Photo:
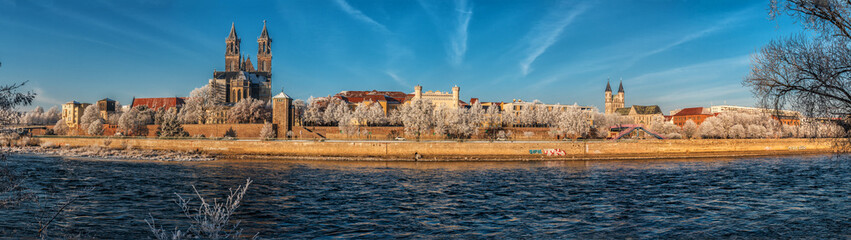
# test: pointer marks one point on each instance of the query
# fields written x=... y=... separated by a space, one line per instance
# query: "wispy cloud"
x=458 y=40
x=456 y=30
x=397 y=79
x=725 y=22
x=357 y=14
x=42 y=98
x=547 y=32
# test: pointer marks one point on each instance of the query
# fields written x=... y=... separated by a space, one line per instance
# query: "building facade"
x=241 y=79
x=72 y=112
x=783 y=116
x=440 y=99
x=695 y=114
x=107 y=107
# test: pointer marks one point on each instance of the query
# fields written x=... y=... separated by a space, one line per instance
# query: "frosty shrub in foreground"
x=267 y=132
x=207 y=220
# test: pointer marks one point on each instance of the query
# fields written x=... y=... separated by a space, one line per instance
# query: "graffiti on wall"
x=548 y=152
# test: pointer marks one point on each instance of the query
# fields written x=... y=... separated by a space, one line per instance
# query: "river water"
x=766 y=197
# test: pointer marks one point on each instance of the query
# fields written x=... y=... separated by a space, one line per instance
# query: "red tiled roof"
x=691 y=111
x=374 y=95
x=155 y=103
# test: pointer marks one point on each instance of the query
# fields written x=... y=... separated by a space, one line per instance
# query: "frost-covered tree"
x=51 y=116
x=299 y=107
x=712 y=128
x=267 y=132
x=689 y=129
x=375 y=115
x=416 y=116
x=349 y=124
x=133 y=121
x=440 y=125
x=665 y=128
x=249 y=110
x=492 y=117
x=91 y=114
x=737 y=131
x=11 y=97
x=60 y=128
x=313 y=115
x=159 y=115
x=461 y=123
x=200 y=100
x=95 y=128
x=171 y=126
x=33 y=117
x=336 y=110
x=571 y=123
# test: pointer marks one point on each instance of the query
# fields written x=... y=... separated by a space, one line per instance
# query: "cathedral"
x=613 y=103
x=240 y=79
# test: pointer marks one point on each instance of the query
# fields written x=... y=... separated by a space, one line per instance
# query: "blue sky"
x=671 y=53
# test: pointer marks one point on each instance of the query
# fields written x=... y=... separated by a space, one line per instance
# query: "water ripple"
x=777 y=197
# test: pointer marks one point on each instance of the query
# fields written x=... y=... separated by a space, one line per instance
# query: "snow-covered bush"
x=210 y=219
x=95 y=128
x=60 y=128
x=689 y=129
x=665 y=128
x=267 y=132
x=133 y=121
x=91 y=114
x=249 y=110
x=170 y=125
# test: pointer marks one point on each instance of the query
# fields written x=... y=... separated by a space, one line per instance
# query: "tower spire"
x=608 y=86
x=264 y=33
x=620 y=88
x=232 y=34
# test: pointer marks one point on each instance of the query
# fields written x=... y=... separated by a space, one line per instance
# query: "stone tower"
x=456 y=95
x=264 y=51
x=232 y=56
x=616 y=101
x=282 y=114
x=619 y=100
x=609 y=108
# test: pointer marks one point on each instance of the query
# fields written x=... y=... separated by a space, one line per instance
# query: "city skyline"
x=672 y=54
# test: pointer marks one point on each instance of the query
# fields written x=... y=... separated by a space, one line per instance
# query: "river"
x=761 y=197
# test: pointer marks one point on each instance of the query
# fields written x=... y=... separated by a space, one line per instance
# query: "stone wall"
x=445 y=150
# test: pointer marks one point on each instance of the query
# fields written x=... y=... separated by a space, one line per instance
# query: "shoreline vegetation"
x=205 y=150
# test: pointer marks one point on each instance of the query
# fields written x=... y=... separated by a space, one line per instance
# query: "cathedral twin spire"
x=235 y=61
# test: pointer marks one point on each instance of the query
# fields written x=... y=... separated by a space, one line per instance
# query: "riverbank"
x=463 y=151
x=99 y=152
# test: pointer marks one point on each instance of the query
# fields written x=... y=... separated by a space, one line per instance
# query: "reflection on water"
x=775 y=197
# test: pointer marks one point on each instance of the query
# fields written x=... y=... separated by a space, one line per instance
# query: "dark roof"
x=622 y=111
x=155 y=103
x=691 y=111
x=233 y=74
x=652 y=109
x=608 y=87
x=106 y=99
x=620 y=88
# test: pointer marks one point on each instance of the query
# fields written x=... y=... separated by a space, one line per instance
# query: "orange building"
x=696 y=114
